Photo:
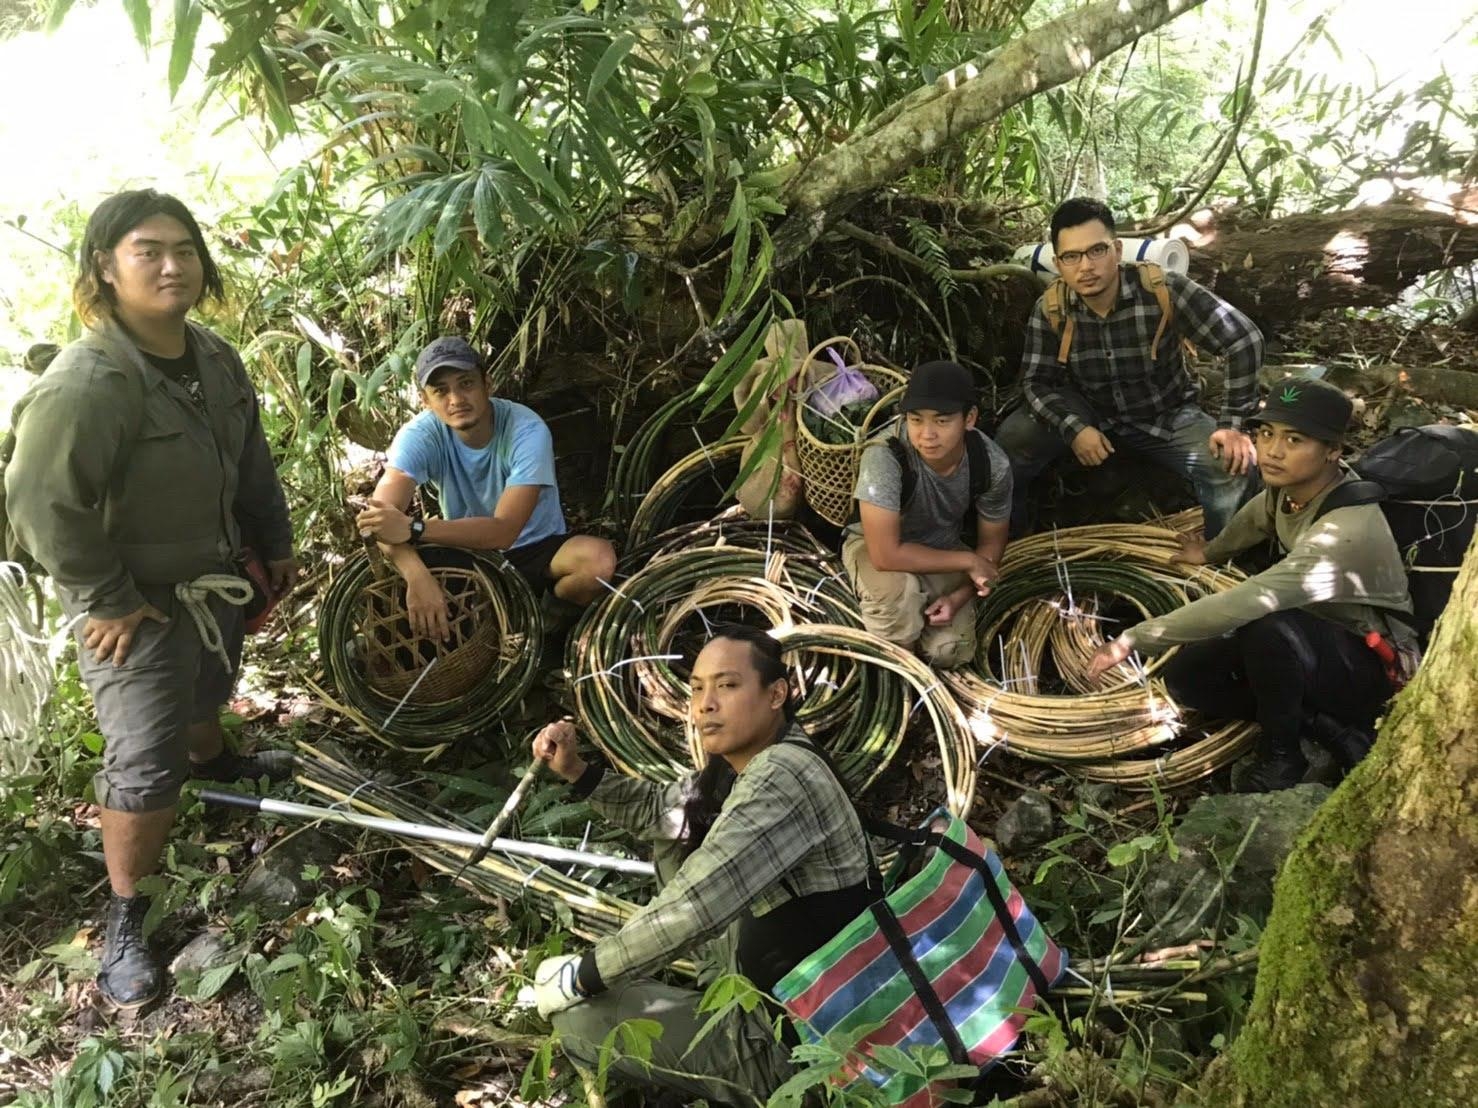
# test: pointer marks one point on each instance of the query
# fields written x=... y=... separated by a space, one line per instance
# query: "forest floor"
x=362 y=977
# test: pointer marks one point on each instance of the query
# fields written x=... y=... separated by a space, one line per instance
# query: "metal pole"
x=555 y=855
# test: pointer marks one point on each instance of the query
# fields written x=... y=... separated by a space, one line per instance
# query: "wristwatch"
x=418 y=528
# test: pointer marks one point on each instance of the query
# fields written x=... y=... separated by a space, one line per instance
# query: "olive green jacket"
x=1344 y=567
x=119 y=480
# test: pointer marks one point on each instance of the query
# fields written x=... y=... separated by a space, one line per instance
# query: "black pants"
x=1278 y=671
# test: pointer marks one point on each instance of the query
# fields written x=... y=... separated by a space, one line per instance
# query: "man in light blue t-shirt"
x=492 y=462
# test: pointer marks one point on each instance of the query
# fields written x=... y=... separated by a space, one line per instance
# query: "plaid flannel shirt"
x=1111 y=366
x=787 y=818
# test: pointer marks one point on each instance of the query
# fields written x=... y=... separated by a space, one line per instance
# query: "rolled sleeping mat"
x=1171 y=254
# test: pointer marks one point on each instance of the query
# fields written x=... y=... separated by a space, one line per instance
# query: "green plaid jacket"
x=786 y=818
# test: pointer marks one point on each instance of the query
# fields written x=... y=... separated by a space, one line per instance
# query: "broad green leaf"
x=485 y=211
x=187 y=15
x=58 y=12
x=438 y=97
x=454 y=208
x=609 y=62
x=214 y=980
x=139 y=15
x=702 y=84
x=729 y=370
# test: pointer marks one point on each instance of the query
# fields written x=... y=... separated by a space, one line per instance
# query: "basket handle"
x=815 y=356
x=881 y=405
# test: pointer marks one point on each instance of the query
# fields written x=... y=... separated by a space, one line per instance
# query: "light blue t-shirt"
x=471 y=481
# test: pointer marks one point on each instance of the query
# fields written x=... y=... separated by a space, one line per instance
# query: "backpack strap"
x=1054 y=305
x=1152 y=278
x=1349 y=494
x=909 y=479
x=978 y=453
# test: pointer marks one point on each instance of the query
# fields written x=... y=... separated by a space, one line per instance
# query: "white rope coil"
x=26 y=675
x=195 y=596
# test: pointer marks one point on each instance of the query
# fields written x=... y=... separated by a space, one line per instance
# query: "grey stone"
x=275 y=881
x=1406 y=411
x=1025 y=824
x=1103 y=795
x=205 y=951
x=1189 y=894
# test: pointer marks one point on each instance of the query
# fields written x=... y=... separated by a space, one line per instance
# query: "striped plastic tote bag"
x=950 y=958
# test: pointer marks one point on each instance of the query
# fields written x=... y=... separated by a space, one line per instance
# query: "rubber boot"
x=275 y=765
x=1274 y=769
x=129 y=977
x=1348 y=743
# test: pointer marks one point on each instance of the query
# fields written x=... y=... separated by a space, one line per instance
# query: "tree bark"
x=1282 y=270
x=972 y=95
x=1367 y=988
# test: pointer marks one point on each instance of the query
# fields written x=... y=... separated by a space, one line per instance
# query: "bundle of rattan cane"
x=1047 y=615
x=637 y=462
x=591 y=911
x=417 y=693
x=633 y=698
x=701 y=479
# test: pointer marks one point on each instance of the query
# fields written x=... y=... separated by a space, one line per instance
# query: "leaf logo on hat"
x=1290 y=395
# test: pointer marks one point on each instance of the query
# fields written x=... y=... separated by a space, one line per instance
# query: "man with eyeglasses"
x=1124 y=386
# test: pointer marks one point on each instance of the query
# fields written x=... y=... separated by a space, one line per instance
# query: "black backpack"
x=977 y=452
x=1426 y=481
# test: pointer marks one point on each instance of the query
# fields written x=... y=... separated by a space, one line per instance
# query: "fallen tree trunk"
x=967 y=97
x=1282 y=270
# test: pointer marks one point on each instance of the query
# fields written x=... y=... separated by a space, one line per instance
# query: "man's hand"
x=555 y=746
x=1091 y=446
x=111 y=638
x=282 y=574
x=983 y=574
x=385 y=522
x=1192 y=551
x=944 y=609
x=426 y=605
x=1106 y=657
x=556 y=984
x=1234 y=448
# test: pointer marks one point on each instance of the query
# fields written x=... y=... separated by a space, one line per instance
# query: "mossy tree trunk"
x=1367 y=989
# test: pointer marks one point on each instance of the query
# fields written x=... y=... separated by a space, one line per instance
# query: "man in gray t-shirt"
x=914 y=574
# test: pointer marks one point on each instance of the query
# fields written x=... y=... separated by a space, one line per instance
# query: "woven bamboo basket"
x=397 y=661
x=830 y=469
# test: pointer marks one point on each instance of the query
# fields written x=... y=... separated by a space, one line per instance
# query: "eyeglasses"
x=1096 y=252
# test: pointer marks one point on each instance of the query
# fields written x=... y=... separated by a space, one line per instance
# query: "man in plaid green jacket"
x=762 y=848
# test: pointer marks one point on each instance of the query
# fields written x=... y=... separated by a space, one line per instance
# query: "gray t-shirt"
x=937 y=508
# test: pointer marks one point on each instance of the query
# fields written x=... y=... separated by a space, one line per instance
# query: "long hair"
x=705 y=797
x=119 y=214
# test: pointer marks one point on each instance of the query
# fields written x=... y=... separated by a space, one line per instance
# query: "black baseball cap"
x=939 y=387
x=1314 y=407
x=449 y=350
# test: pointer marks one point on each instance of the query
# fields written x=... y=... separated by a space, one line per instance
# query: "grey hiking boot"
x=275 y=765
x=129 y=977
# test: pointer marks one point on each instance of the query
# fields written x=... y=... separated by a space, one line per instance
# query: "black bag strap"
x=1346 y=495
x=909 y=479
x=923 y=988
x=1349 y=494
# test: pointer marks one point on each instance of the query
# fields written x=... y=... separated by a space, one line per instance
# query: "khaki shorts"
x=893 y=604
x=145 y=706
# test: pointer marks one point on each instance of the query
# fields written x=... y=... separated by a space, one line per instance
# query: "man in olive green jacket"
x=140 y=471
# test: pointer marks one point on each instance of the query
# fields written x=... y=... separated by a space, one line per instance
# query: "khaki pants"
x=893 y=604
